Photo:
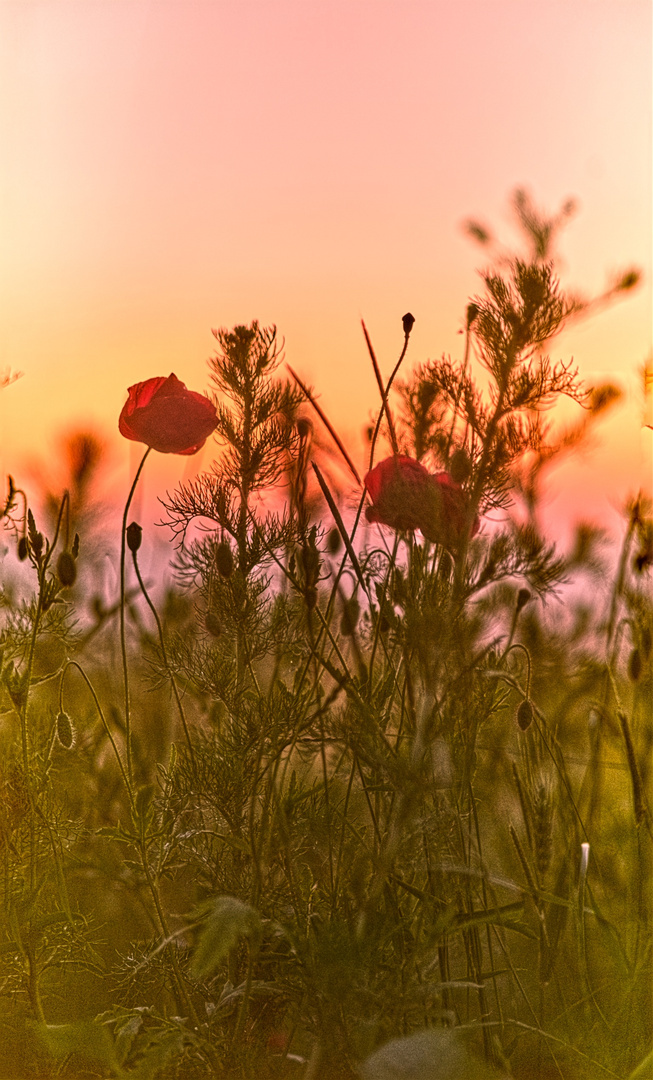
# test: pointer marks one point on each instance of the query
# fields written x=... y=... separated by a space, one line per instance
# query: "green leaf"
x=226 y=921
x=86 y=1038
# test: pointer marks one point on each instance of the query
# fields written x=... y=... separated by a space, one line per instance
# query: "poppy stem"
x=125 y=670
x=164 y=654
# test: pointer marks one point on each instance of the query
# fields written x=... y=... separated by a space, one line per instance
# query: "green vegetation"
x=356 y=803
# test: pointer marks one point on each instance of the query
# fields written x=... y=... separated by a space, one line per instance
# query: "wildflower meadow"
x=365 y=791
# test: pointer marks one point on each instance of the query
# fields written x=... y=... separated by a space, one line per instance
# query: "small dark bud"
x=310 y=596
x=311 y=562
x=304 y=427
x=212 y=624
x=523 y=596
x=134 y=537
x=23 y=548
x=646 y=642
x=334 y=541
x=65 y=731
x=629 y=280
x=602 y=397
x=37 y=544
x=525 y=714
x=369 y=431
x=74 y=551
x=472 y=313
x=643 y=559
x=460 y=466
x=224 y=559
x=349 y=618
x=478 y=232
x=634 y=665
x=66 y=569
x=408 y=322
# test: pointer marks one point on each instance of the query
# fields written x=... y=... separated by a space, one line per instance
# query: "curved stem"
x=384 y=399
x=164 y=654
x=123 y=646
x=74 y=663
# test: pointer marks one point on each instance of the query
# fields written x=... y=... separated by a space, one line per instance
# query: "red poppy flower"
x=406 y=496
x=166 y=416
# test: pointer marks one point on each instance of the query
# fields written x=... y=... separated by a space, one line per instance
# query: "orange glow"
x=168 y=168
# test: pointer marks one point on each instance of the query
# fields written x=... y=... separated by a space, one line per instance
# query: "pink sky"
x=168 y=167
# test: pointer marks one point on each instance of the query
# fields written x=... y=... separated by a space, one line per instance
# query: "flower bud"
x=66 y=569
x=334 y=541
x=525 y=714
x=134 y=537
x=23 y=548
x=635 y=665
x=304 y=427
x=65 y=731
x=408 y=322
x=472 y=313
x=523 y=596
x=224 y=559
x=212 y=624
x=311 y=562
x=37 y=544
x=349 y=618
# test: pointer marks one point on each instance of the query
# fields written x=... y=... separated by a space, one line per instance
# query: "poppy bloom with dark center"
x=406 y=496
x=167 y=417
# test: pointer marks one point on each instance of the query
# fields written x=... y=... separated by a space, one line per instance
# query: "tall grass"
x=374 y=810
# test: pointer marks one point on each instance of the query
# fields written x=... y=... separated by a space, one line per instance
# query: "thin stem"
x=123 y=645
x=73 y=663
x=164 y=654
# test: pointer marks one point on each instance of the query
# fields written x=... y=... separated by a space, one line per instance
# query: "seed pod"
x=635 y=665
x=525 y=714
x=212 y=624
x=408 y=322
x=134 y=537
x=23 y=548
x=66 y=569
x=224 y=559
x=65 y=731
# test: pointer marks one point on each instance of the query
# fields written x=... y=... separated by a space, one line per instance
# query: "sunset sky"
x=169 y=167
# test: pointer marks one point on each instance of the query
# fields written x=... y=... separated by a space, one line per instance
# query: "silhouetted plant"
x=363 y=791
